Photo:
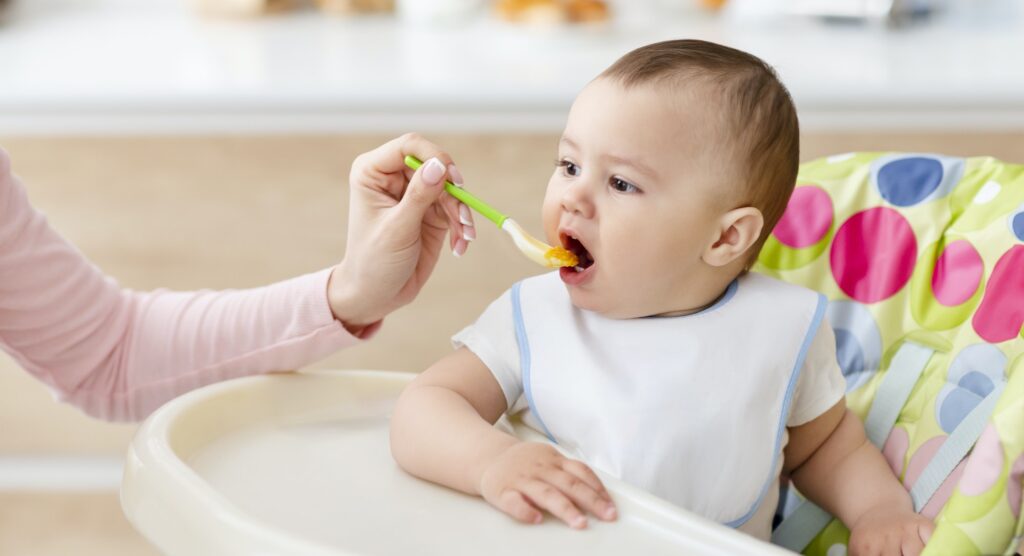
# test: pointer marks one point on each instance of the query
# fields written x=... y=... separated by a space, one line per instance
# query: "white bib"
x=690 y=408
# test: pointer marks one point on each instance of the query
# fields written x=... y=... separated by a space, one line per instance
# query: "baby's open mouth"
x=573 y=244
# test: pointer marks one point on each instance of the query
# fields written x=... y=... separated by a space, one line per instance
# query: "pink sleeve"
x=119 y=354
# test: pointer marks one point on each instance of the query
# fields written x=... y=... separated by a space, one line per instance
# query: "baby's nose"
x=577 y=200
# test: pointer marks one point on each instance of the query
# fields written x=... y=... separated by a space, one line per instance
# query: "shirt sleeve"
x=492 y=338
x=821 y=384
x=119 y=354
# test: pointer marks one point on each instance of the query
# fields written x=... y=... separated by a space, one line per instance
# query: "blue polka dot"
x=977 y=383
x=955 y=407
x=1017 y=224
x=851 y=358
x=973 y=374
x=908 y=181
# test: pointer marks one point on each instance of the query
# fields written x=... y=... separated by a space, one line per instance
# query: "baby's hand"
x=885 y=532
x=529 y=477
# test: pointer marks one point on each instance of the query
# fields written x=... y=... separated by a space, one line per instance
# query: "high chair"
x=922 y=258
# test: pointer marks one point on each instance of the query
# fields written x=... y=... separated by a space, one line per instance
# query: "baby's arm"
x=442 y=431
x=834 y=465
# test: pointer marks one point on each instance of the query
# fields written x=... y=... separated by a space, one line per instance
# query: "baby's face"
x=637 y=187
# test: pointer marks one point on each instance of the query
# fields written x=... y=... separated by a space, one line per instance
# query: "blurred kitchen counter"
x=124 y=66
x=83 y=523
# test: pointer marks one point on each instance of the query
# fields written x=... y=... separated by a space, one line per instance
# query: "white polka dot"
x=837 y=550
x=837 y=158
x=987 y=193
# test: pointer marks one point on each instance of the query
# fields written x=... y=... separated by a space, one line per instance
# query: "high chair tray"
x=299 y=464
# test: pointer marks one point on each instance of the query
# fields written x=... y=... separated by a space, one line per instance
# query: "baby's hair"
x=758 y=114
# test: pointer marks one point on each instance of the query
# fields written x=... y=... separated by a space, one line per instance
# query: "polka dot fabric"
x=928 y=248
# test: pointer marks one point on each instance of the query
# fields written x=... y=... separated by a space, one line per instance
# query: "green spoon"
x=534 y=249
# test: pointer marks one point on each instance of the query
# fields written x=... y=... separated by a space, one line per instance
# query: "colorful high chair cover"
x=922 y=259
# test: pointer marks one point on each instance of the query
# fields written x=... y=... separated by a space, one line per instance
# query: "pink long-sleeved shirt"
x=119 y=354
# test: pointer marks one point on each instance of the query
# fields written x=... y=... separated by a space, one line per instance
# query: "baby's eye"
x=623 y=186
x=568 y=168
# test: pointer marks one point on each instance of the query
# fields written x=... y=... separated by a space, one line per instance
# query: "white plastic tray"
x=300 y=464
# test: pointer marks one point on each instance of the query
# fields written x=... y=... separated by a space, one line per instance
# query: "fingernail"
x=433 y=170
x=464 y=216
x=579 y=522
x=460 y=248
x=455 y=175
x=468 y=233
x=610 y=513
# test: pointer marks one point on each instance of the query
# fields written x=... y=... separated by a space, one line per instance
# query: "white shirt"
x=693 y=409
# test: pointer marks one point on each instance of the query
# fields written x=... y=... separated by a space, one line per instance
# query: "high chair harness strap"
x=905 y=369
x=954 y=449
x=796 y=531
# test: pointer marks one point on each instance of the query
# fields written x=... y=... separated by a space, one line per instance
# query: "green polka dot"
x=948 y=540
x=778 y=256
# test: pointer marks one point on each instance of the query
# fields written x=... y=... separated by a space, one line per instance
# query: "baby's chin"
x=608 y=305
x=594 y=302
x=584 y=300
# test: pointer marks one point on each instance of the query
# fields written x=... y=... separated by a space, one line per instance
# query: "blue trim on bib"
x=524 y=357
x=819 y=314
x=730 y=291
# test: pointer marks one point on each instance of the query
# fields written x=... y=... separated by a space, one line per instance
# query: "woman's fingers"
x=389 y=158
x=424 y=188
x=548 y=497
x=583 y=495
x=460 y=219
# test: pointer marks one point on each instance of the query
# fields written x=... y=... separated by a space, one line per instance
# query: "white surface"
x=299 y=464
x=99 y=66
x=59 y=473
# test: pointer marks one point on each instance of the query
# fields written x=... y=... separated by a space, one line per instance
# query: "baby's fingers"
x=516 y=505
x=915 y=537
x=548 y=497
x=583 y=495
x=585 y=474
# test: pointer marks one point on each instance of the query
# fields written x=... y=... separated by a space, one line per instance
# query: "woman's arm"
x=119 y=354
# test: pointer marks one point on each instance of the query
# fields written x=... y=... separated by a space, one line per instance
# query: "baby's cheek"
x=550 y=215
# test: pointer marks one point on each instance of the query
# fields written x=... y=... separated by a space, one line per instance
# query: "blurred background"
x=206 y=144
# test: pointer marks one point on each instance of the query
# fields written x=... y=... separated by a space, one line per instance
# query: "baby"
x=660 y=359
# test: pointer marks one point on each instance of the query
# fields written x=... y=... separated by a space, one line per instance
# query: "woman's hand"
x=528 y=478
x=397 y=222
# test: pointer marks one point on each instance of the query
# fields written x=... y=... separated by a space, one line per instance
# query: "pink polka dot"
x=957 y=273
x=942 y=494
x=984 y=465
x=1001 y=313
x=807 y=219
x=1014 y=485
x=873 y=254
x=896 y=448
x=921 y=458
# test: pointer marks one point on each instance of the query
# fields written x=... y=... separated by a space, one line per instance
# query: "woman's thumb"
x=424 y=188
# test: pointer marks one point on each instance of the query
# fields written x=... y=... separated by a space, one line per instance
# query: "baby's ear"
x=738 y=229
